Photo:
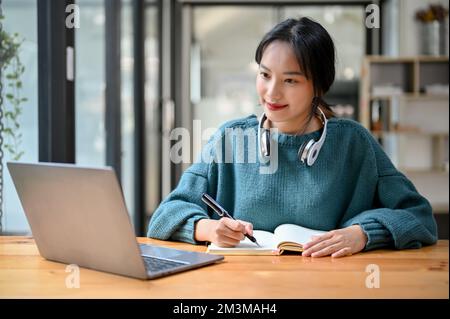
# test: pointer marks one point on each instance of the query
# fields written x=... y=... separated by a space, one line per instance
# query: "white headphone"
x=308 y=151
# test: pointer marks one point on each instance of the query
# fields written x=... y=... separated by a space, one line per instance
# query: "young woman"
x=331 y=174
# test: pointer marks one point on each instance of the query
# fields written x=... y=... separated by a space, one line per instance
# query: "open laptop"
x=78 y=216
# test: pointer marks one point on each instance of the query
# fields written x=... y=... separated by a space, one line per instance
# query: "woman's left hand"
x=337 y=243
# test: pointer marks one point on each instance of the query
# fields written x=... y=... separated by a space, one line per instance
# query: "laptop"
x=78 y=216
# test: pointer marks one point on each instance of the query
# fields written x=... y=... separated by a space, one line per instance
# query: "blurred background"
x=103 y=82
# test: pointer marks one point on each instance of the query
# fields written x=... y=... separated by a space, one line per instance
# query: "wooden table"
x=421 y=273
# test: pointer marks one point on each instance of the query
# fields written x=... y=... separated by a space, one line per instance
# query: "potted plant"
x=11 y=70
x=433 y=29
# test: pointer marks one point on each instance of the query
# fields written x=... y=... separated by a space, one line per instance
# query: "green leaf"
x=9 y=149
x=8 y=131
x=19 y=84
x=9 y=96
x=24 y=99
x=18 y=156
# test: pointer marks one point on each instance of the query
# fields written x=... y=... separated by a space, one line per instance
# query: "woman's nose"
x=273 y=92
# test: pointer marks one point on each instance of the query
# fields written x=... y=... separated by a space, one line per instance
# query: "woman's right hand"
x=225 y=232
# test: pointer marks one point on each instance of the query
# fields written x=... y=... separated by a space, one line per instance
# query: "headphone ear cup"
x=303 y=151
x=265 y=143
x=312 y=154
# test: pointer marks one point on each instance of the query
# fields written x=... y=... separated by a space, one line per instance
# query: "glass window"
x=345 y=24
x=152 y=136
x=223 y=70
x=90 y=84
x=21 y=17
x=127 y=111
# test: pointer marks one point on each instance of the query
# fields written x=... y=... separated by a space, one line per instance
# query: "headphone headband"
x=325 y=123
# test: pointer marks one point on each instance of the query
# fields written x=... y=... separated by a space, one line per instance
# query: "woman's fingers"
x=230 y=232
x=317 y=239
x=328 y=250
x=224 y=241
x=238 y=225
x=346 y=251
x=248 y=227
x=310 y=249
x=227 y=232
x=232 y=224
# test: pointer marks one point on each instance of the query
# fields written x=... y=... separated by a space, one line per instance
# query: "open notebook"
x=286 y=237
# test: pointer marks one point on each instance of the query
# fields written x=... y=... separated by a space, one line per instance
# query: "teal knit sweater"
x=352 y=182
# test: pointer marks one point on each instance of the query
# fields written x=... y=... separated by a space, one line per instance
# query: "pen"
x=208 y=200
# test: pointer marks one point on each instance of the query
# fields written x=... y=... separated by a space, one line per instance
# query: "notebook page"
x=295 y=233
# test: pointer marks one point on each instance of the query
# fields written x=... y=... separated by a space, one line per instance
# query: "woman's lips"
x=275 y=107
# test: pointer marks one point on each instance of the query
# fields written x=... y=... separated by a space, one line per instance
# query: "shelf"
x=406 y=59
x=432 y=171
x=380 y=134
x=410 y=96
x=425 y=96
x=440 y=208
x=409 y=120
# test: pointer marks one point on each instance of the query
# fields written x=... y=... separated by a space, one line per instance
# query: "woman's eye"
x=264 y=75
x=290 y=81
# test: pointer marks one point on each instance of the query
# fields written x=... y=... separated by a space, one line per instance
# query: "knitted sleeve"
x=401 y=218
x=177 y=214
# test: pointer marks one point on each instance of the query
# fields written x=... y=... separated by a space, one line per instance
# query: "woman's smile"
x=275 y=106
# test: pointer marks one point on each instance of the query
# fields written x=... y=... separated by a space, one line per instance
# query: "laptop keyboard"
x=154 y=264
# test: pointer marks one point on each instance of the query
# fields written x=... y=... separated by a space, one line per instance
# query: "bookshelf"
x=404 y=102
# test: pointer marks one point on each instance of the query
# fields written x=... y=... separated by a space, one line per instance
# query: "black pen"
x=208 y=200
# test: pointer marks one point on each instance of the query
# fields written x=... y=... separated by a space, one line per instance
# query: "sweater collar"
x=291 y=139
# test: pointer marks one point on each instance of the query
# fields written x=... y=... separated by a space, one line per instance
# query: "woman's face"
x=283 y=89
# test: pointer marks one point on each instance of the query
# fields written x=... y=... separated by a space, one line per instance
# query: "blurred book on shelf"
x=343 y=97
x=386 y=90
x=437 y=89
x=345 y=111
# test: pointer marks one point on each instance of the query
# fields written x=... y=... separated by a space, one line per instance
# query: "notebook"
x=286 y=237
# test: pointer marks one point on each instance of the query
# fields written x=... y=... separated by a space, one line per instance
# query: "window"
x=345 y=24
x=153 y=136
x=223 y=70
x=21 y=17
x=90 y=84
x=127 y=112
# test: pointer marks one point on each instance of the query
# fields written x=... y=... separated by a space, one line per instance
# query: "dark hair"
x=315 y=54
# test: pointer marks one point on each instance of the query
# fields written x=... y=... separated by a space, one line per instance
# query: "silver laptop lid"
x=76 y=214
